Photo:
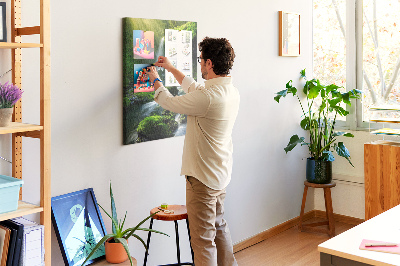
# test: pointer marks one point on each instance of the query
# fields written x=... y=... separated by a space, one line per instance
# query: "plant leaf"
x=115 y=223
x=283 y=93
x=313 y=92
x=276 y=98
x=338 y=133
x=102 y=240
x=331 y=87
x=133 y=229
x=290 y=88
x=280 y=94
x=126 y=247
x=345 y=134
x=113 y=211
x=309 y=85
x=346 y=98
x=355 y=93
x=341 y=111
x=152 y=230
x=303 y=73
x=322 y=106
x=323 y=92
x=140 y=239
x=343 y=151
x=305 y=123
x=333 y=102
x=289 y=84
x=327 y=156
x=122 y=224
x=294 y=140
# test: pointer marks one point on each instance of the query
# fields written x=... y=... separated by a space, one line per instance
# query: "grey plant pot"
x=5 y=116
x=318 y=172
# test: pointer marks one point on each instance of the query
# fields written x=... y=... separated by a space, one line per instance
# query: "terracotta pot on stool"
x=115 y=252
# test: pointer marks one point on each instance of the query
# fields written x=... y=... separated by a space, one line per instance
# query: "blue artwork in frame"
x=78 y=226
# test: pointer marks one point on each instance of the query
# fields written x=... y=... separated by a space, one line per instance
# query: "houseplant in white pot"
x=9 y=95
x=324 y=105
x=116 y=243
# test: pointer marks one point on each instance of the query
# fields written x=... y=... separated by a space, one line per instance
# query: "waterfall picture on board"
x=144 y=40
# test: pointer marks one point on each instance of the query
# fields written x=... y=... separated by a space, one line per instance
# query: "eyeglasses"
x=199 y=59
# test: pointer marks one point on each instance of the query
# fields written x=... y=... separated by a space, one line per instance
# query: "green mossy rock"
x=156 y=127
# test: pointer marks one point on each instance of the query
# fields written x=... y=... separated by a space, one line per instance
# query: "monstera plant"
x=324 y=103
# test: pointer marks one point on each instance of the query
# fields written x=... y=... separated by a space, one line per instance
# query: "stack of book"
x=21 y=243
x=386 y=131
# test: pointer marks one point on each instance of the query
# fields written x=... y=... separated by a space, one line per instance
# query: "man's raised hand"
x=164 y=63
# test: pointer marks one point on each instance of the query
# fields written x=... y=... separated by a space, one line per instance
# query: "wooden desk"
x=344 y=248
x=105 y=263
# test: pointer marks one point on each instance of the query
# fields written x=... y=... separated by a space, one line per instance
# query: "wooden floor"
x=290 y=247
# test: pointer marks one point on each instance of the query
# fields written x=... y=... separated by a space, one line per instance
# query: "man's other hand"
x=152 y=72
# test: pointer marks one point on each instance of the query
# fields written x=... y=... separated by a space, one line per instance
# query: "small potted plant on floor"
x=9 y=95
x=116 y=243
x=324 y=104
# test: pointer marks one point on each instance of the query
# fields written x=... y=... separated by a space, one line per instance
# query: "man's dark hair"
x=220 y=52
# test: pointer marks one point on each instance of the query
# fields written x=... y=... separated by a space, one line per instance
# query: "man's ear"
x=209 y=63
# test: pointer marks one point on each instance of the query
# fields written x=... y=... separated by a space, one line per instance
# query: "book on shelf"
x=26 y=242
x=11 y=245
x=386 y=131
x=32 y=250
x=5 y=234
x=13 y=260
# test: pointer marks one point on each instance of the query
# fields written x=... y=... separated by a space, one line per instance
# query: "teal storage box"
x=9 y=193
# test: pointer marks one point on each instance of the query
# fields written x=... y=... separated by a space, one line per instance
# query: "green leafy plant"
x=119 y=235
x=321 y=122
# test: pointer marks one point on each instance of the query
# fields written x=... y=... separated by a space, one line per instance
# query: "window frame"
x=354 y=69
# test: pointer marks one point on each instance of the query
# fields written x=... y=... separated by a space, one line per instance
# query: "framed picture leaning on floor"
x=78 y=226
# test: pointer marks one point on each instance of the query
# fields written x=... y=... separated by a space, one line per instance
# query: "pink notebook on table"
x=388 y=249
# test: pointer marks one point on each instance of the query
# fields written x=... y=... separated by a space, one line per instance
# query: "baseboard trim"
x=271 y=232
x=340 y=218
x=289 y=224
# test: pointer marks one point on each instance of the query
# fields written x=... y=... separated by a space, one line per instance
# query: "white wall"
x=87 y=150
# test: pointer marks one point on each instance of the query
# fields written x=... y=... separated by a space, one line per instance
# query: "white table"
x=344 y=248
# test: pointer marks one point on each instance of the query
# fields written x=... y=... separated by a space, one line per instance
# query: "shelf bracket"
x=30 y=134
x=28 y=31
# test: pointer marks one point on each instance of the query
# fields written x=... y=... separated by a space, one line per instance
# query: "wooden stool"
x=180 y=213
x=328 y=207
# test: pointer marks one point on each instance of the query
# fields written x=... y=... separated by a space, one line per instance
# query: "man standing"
x=207 y=154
